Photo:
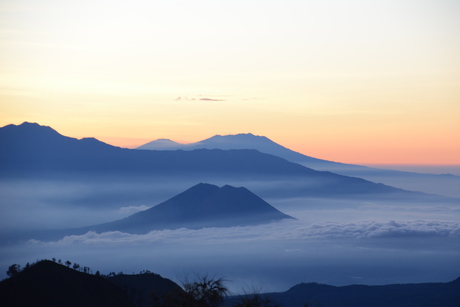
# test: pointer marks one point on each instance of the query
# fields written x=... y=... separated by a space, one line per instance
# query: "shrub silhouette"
x=255 y=300
x=203 y=292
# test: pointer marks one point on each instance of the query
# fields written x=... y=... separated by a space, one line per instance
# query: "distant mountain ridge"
x=203 y=205
x=399 y=295
x=39 y=150
x=31 y=147
x=430 y=183
x=245 y=141
x=264 y=145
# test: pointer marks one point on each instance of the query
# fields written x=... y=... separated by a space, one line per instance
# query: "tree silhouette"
x=205 y=291
x=13 y=270
x=68 y=263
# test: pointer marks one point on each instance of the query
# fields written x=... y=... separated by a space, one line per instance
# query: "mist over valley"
x=344 y=230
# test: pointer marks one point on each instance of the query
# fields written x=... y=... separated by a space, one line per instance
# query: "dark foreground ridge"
x=50 y=284
x=203 y=205
x=47 y=283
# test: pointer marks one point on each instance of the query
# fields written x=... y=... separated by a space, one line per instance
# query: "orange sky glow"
x=349 y=81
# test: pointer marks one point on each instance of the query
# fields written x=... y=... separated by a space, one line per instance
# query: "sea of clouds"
x=286 y=230
x=332 y=241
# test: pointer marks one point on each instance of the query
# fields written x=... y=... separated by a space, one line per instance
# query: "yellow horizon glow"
x=349 y=81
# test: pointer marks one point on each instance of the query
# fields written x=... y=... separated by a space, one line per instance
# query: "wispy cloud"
x=211 y=99
x=132 y=209
x=186 y=98
x=216 y=98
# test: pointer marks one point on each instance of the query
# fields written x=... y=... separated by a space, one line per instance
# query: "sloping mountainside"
x=34 y=150
x=395 y=295
x=50 y=284
x=438 y=184
x=203 y=205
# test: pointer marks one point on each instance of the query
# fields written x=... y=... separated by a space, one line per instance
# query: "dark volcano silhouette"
x=203 y=205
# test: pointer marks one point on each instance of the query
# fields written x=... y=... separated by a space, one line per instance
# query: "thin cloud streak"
x=211 y=99
x=198 y=99
x=132 y=209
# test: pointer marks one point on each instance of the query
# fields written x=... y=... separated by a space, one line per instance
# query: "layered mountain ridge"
x=445 y=184
x=248 y=141
x=34 y=149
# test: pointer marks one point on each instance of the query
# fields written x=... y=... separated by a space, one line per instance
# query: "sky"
x=352 y=81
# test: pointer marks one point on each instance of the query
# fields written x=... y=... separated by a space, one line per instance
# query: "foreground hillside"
x=47 y=283
x=50 y=284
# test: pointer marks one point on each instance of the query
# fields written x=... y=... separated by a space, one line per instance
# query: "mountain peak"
x=162 y=144
x=203 y=205
x=30 y=124
x=166 y=140
x=231 y=141
x=239 y=136
x=247 y=141
x=27 y=130
x=33 y=125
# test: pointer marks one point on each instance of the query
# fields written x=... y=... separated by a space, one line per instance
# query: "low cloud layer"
x=275 y=256
x=282 y=231
x=390 y=229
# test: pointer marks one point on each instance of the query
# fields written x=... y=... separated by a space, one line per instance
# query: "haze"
x=333 y=241
x=361 y=82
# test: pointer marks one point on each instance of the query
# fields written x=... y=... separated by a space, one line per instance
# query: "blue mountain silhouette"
x=408 y=295
x=438 y=184
x=203 y=205
x=33 y=149
x=248 y=141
